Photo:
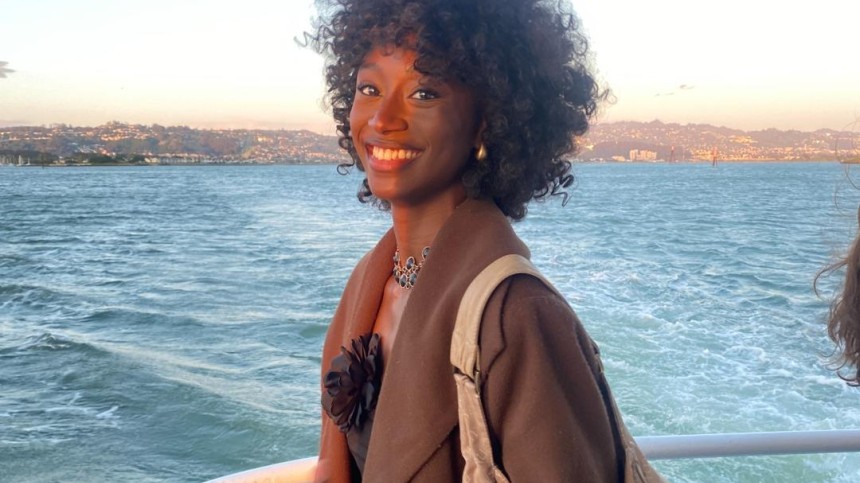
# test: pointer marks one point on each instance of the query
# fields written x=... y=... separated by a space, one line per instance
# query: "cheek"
x=353 y=115
x=355 y=126
x=461 y=129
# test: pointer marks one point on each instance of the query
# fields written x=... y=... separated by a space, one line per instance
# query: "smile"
x=387 y=154
x=389 y=159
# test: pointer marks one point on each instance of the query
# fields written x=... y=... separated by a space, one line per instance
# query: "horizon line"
x=213 y=126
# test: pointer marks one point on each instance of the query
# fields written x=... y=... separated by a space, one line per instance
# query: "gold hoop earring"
x=482 y=153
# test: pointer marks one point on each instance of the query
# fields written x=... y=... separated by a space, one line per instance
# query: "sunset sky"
x=748 y=64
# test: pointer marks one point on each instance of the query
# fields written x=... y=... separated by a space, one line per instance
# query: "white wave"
x=107 y=414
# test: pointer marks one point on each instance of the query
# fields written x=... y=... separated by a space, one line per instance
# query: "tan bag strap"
x=474 y=434
x=464 y=342
x=465 y=357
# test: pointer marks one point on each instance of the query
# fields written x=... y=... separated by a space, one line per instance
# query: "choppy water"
x=165 y=323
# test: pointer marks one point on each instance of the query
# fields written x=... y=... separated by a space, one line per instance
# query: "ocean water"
x=165 y=323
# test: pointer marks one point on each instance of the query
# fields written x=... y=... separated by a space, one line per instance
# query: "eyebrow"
x=375 y=66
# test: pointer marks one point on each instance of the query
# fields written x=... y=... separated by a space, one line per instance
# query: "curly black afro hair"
x=525 y=60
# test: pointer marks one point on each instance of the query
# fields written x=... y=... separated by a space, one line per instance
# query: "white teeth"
x=389 y=154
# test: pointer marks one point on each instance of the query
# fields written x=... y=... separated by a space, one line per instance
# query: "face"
x=413 y=133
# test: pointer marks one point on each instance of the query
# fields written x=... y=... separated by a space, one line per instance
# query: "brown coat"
x=542 y=385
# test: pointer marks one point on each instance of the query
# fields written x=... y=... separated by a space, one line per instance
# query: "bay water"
x=165 y=323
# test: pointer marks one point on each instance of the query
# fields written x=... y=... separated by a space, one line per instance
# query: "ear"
x=479 y=136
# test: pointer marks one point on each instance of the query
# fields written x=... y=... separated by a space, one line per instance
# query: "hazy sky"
x=749 y=64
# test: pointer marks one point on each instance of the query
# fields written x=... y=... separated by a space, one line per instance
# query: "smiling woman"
x=460 y=113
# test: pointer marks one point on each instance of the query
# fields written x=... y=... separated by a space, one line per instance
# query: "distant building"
x=642 y=155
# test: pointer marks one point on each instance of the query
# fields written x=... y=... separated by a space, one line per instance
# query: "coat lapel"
x=354 y=317
x=364 y=299
x=417 y=407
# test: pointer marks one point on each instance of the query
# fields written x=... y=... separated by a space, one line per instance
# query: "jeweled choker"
x=407 y=275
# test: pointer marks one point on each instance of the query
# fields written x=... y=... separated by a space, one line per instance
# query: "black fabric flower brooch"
x=352 y=385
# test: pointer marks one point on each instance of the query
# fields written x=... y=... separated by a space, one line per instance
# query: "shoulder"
x=524 y=316
x=360 y=269
x=362 y=280
x=365 y=269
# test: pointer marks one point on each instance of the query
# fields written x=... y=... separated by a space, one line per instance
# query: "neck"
x=416 y=225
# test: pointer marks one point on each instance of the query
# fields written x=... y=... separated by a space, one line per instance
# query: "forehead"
x=395 y=58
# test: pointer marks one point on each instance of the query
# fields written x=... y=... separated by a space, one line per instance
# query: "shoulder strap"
x=464 y=342
x=474 y=434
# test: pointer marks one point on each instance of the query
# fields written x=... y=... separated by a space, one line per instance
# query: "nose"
x=390 y=115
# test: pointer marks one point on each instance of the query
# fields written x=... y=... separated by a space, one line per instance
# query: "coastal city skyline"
x=212 y=65
x=124 y=144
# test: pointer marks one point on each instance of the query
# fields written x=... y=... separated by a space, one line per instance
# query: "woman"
x=843 y=323
x=459 y=112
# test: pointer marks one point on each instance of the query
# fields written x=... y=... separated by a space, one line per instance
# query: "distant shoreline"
x=574 y=162
x=157 y=165
x=604 y=142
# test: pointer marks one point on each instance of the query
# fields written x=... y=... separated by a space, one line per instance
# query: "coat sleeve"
x=541 y=389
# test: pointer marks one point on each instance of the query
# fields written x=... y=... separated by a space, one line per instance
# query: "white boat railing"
x=295 y=471
x=749 y=444
x=654 y=448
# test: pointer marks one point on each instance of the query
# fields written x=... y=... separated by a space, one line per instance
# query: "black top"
x=351 y=390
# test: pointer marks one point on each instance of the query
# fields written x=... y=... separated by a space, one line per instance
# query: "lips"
x=389 y=158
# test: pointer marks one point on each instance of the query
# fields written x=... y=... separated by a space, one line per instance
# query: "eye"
x=367 y=90
x=425 y=94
